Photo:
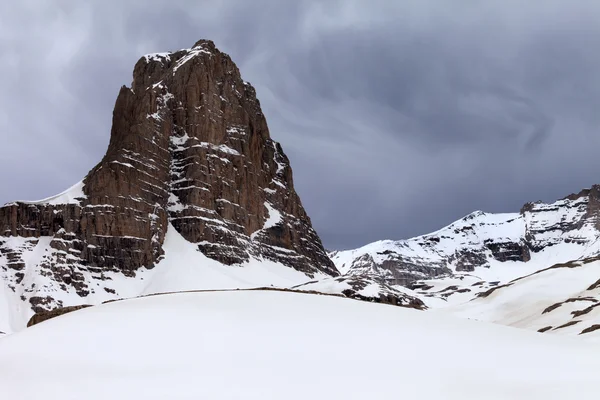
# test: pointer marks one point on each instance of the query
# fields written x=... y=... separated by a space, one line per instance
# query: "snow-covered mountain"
x=191 y=194
x=207 y=279
x=535 y=269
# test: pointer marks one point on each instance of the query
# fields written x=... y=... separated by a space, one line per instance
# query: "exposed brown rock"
x=41 y=304
x=46 y=315
x=492 y=290
x=551 y=308
x=595 y=285
x=587 y=310
x=570 y=323
x=592 y=328
x=571 y=300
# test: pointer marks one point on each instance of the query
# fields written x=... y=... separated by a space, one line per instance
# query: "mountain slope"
x=192 y=193
x=286 y=345
x=561 y=299
x=503 y=268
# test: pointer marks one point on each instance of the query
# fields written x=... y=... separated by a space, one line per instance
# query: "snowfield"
x=281 y=345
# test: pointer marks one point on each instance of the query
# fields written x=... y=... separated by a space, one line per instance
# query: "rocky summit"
x=189 y=149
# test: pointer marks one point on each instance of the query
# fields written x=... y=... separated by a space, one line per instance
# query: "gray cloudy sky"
x=398 y=116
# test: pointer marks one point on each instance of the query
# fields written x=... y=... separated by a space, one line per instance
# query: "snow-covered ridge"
x=197 y=49
x=457 y=266
x=183 y=267
x=470 y=230
x=72 y=195
x=542 y=225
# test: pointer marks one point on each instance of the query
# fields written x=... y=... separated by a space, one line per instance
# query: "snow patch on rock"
x=72 y=195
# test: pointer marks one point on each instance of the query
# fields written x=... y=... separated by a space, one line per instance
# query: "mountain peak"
x=205 y=43
x=189 y=148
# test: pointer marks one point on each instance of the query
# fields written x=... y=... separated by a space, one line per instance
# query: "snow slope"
x=70 y=196
x=278 y=345
x=471 y=234
x=183 y=267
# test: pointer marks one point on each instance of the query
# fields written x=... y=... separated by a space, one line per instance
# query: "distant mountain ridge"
x=535 y=269
x=481 y=239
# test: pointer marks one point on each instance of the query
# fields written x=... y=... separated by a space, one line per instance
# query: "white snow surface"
x=274 y=216
x=158 y=57
x=278 y=345
x=186 y=268
x=472 y=231
x=273 y=219
x=69 y=196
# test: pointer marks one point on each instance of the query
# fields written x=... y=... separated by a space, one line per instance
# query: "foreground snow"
x=279 y=345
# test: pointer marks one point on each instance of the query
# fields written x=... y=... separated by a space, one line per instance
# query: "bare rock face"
x=574 y=219
x=190 y=147
x=191 y=144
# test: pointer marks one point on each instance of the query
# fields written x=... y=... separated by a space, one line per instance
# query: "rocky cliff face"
x=189 y=147
x=540 y=235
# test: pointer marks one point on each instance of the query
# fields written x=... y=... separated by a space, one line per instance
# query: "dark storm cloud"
x=398 y=116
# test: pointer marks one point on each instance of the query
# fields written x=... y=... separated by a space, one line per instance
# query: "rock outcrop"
x=364 y=287
x=189 y=147
x=57 y=312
